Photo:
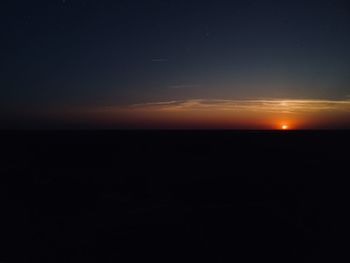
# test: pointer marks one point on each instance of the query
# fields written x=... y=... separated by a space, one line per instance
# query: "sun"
x=284 y=127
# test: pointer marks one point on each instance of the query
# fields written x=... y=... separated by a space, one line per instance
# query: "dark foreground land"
x=174 y=196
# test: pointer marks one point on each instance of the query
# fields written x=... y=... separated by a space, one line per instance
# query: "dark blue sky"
x=57 y=53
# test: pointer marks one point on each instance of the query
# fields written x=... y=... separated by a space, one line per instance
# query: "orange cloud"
x=242 y=114
x=264 y=105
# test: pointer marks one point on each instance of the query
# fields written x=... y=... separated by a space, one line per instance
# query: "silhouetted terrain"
x=173 y=196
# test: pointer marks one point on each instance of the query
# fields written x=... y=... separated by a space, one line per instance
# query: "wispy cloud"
x=253 y=113
x=183 y=86
x=159 y=60
x=259 y=105
x=283 y=106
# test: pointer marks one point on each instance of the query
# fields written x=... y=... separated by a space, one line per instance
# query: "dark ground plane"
x=173 y=196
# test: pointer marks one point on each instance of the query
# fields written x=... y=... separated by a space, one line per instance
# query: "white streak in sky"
x=258 y=105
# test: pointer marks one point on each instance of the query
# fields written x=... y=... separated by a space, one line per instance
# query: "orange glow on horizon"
x=264 y=114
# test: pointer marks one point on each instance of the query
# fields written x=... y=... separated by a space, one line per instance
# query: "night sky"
x=175 y=64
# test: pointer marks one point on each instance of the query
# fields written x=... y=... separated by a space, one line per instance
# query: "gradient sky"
x=149 y=64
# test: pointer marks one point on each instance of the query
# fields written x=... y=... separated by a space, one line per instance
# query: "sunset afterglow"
x=174 y=130
x=266 y=114
x=176 y=65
